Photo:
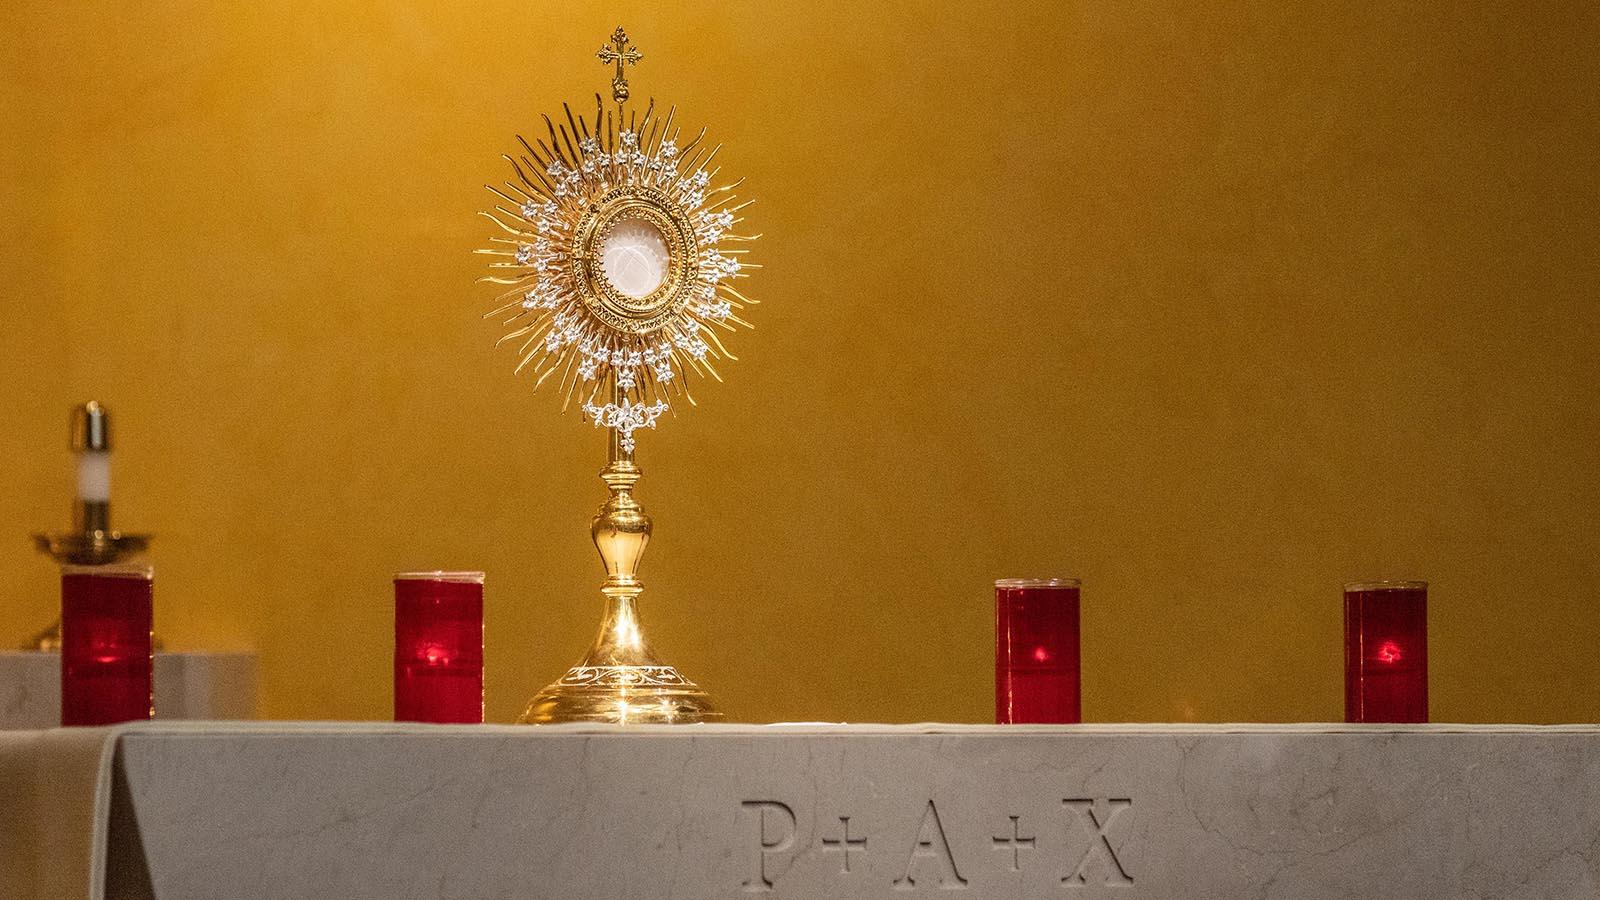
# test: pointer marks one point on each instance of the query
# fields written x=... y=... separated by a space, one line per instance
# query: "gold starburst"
x=615 y=258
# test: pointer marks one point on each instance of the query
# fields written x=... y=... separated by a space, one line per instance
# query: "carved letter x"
x=1114 y=872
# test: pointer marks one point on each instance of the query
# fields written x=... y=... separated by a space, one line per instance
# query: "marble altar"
x=194 y=810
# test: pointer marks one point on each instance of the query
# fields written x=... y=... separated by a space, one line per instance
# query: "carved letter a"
x=932 y=842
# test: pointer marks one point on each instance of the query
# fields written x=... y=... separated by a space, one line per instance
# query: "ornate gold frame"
x=635 y=315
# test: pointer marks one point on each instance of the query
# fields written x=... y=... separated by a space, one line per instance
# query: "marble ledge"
x=188 y=685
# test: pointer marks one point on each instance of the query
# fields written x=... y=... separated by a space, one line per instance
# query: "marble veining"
x=874 y=812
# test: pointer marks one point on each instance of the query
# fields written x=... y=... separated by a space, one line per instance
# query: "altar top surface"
x=842 y=729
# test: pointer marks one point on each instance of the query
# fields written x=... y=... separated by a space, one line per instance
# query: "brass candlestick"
x=620 y=679
x=91 y=541
x=617 y=274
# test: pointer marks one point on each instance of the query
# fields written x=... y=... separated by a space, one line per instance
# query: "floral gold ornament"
x=618 y=273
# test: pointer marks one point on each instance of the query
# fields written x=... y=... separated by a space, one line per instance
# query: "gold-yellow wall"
x=1215 y=304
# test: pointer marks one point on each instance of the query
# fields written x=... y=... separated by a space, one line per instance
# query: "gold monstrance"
x=617 y=280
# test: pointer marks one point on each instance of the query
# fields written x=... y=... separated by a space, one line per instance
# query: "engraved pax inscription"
x=937 y=852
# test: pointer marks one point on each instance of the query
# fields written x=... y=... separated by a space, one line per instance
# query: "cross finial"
x=622 y=53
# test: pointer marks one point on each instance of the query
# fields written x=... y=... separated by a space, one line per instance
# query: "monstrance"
x=617 y=279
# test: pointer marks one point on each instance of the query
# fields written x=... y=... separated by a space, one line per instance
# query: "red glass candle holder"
x=438 y=647
x=106 y=614
x=1386 y=651
x=1036 y=674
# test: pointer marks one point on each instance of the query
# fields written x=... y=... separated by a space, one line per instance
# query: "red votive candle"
x=1386 y=651
x=105 y=644
x=1036 y=651
x=438 y=647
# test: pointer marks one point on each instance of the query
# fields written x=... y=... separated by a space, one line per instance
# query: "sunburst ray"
x=626 y=343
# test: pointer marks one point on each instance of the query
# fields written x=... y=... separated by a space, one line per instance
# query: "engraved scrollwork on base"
x=624 y=676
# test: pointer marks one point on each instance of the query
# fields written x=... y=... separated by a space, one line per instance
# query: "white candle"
x=94 y=476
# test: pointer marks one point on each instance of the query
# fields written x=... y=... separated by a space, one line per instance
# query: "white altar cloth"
x=185 y=811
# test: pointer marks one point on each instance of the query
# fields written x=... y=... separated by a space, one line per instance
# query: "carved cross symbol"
x=1016 y=843
x=844 y=844
x=622 y=53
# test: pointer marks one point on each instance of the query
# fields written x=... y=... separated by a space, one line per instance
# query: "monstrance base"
x=621 y=695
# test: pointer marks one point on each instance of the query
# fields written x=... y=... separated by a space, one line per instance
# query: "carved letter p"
x=774 y=829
